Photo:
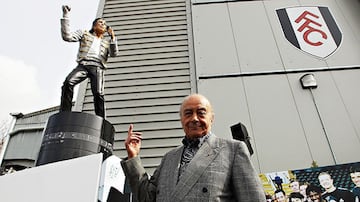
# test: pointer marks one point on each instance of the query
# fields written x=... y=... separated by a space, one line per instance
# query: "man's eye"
x=202 y=113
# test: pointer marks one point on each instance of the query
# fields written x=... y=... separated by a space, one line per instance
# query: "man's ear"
x=212 y=118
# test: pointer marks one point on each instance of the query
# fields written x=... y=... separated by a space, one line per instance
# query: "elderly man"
x=205 y=168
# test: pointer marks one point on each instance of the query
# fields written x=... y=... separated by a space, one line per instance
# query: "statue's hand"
x=66 y=10
x=111 y=32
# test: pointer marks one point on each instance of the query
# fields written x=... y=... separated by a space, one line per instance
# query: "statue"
x=93 y=53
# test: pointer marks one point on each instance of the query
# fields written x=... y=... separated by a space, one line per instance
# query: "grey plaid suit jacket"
x=221 y=170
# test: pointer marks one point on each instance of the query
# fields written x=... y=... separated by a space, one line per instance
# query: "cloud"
x=19 y=88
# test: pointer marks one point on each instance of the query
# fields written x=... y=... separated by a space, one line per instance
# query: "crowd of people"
x=326 y=191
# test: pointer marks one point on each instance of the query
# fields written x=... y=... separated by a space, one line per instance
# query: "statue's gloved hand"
x=66 y=10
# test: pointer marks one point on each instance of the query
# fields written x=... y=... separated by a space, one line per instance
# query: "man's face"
x=314 y=196
x=196 y=116
x=325 y=181
x=355 y=177
x=294 y=186
x=303 y=189
x=100 y=26
x=280 y=197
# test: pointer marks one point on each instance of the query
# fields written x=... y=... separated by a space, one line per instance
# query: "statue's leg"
x=96 y=76
x=76 y=76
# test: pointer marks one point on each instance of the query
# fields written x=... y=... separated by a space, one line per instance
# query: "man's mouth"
x=195 y=127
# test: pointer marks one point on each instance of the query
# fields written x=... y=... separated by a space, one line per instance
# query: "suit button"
x=204 y=190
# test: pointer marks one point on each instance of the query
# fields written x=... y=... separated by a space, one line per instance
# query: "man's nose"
x=195 y=117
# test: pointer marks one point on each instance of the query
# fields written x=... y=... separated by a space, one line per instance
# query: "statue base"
x=70 y=135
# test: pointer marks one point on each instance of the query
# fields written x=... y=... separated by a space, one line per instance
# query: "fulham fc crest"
x=310 y=29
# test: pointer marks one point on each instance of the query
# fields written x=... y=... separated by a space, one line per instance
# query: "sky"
x=34 y=60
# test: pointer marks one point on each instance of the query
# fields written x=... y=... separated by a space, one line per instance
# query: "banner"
x=345 y=177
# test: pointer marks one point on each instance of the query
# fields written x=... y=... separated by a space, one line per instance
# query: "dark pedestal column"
x=74 y=134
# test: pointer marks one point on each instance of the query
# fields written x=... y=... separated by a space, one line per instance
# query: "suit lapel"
x=206 y=154
x=175 y=157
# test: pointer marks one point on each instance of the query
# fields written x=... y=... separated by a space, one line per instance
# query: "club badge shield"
x=311 y=29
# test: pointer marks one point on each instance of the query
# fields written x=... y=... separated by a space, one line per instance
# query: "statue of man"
x=92 y=56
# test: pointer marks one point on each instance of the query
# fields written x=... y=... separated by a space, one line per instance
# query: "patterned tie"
x=190 y=148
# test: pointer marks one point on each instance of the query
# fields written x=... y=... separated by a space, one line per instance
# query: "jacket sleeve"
x=246 y=180
x=142 y=187
x=66 y=34
x=113 y=49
